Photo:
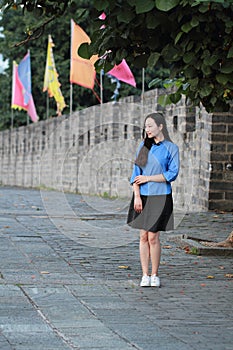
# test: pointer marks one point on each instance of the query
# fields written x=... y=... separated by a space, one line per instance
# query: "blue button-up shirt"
x=163 y=158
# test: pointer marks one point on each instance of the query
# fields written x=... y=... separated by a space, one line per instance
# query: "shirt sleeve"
x=173 y=165
x=136 y=169
x=136 y=172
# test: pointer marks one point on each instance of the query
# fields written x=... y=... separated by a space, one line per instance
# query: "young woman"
x=151 y=208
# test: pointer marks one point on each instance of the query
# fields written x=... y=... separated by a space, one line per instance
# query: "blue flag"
x=24 y=71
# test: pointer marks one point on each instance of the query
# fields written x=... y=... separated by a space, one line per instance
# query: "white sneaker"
x=155 y=281
x=145 y=282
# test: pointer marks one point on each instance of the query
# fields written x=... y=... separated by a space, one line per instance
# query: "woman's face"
x=152 y=129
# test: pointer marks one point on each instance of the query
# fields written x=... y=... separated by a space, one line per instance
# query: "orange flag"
x=82 y=71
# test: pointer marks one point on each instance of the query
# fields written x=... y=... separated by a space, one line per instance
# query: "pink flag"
x=122 y=72
x=31 y=109
x=18 y=98
x=102 y=16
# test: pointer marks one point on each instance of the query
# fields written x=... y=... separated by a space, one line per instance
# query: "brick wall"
x=92 y=152
x=221 y=159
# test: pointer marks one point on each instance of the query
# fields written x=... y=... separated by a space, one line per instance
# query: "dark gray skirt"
x=157 y=214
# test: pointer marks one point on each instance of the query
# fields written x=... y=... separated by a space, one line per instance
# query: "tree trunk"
x=228 y=243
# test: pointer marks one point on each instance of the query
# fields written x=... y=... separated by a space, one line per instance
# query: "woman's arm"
x=141 y=179
x=137 y=198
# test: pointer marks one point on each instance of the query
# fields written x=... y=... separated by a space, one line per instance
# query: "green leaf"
x=144 y=6
x=213 y=100
x=230 y=52
x=227 y=67
x=174 y=98
x=168 y=84
x=153 y=59
x=193 y=83
x=222 y=78
x=83 y=51
x=155 y=82
x=188 y=57
x=103 y=64
x=166 y=5
x=101 y=5
x=205 y=90
x=190 y=72
x=203 y=8
x=211 y=60
x=190 y=46
x=194 y=22
x=126 y=16
x=120 y=54
x=206 y=69
x=164 y=100
x=179 y=35
x=186 y=27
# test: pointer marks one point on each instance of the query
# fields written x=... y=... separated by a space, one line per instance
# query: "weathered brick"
x=226 y=205
x=220 y=157
x=216 y=195
x=218 y=147
x=220 y=185
x=229 y=195
x=219 y=128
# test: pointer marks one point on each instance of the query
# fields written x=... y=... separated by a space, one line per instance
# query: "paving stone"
x=62 y=293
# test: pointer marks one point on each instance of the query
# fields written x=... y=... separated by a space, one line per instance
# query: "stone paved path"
x=69 y=275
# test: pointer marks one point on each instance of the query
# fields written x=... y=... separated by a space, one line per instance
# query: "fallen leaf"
x=124 y=267
x=229 y=275
x=210 y=277
x=167 y=246
x=6 y=226
x=221 y=267
x=202 y=284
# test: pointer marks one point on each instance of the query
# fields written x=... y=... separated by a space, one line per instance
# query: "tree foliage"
x=192 y=38
x=15 y=24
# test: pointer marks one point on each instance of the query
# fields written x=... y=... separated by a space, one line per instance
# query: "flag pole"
x=101 y=86
x=30 y=83
x=71 y=98
x=143 y=89
x=101 y=101
x=12 y=119
x=47 y=106
x=12 y=94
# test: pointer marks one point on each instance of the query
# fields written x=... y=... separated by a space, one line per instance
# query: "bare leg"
x=155 y=251
x=144 y=251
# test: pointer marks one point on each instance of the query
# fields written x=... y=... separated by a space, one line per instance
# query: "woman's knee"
x=153 y=238
x=143 y=236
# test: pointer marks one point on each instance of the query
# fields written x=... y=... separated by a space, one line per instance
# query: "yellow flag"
x=51 y=83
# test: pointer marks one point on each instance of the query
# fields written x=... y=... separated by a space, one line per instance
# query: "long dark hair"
x=159 y=119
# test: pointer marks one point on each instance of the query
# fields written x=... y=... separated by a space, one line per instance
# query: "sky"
x=3 y=64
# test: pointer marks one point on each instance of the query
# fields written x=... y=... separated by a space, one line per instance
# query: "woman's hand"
x=141 y=179
x=138 y=204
